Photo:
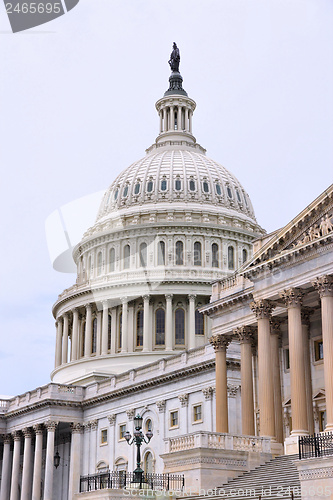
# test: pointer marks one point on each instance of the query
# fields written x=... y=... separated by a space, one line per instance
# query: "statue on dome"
x=174 y=58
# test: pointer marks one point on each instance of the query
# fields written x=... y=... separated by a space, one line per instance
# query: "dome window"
x=125 y=192
x=137 y=188
x=160 y=327
x=178 y=184
x=238 y=196
x=150 y=186
x=229 y=192
x=163 y=185
x=192 y=185
x=206 y=187
x=116 y=194
x=218 y=189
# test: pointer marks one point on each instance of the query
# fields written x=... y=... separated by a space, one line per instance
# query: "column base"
x=276 y=448
x=329 y=428
x=291 y=442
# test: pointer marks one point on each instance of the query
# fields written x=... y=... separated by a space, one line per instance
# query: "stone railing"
x=4 y=403
x=217 y=441
x=229 y=286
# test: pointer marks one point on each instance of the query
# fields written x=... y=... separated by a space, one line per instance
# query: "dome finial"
x=175 y=80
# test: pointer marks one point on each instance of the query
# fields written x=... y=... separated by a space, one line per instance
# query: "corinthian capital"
x=324 y=286
x=245 y=334
x=262 y=308
x=292 y=297
x=51 y=425
x=220 y=342
x=76 y=428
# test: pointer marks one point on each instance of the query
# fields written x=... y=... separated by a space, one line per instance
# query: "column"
x=168 y=323
x=191 y=321
x=161 y=121
x=220 y=344
x=164 y=120
x=88 y=334
x=14 y=487
x=275 y=355
x=75 y=334
x=262 y=309
x=146 y=323
x=99 y=333
x=5 y=473
x=186 y=124
x=172 y=118
x=245 y=337
x=114 y=328
x=105 y=325
x=37 y=476
x=190 y=121
x=26 y=474
x=305 y=314
x=65 y=340
x=179 y=118
x=324 y=285
x=293 y=301
x=75 y=460
x=124 y=322
x=58 y=353
x=49 y=467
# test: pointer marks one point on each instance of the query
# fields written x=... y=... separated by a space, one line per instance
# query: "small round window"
x=125 y=192
x=218 y=189
x=192 y=185
x=150 y=186
x=116 y=194
x=163 y=185
x=178 y=184
x=238 y=196
x=137 y=188
x=229 y=192
x=205 y=187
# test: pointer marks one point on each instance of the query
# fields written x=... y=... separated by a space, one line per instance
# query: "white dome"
x=178 y=175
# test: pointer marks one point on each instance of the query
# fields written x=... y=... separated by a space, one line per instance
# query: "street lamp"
x=138 y=439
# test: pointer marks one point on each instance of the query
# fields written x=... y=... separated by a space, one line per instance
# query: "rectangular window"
x=318 y=350
x=197 y=413
x=122 y=430
x=322 y=420
x=286 y=359
x=104 y=436
x=174 y=418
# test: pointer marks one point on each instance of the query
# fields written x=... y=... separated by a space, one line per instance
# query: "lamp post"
x=138 y=439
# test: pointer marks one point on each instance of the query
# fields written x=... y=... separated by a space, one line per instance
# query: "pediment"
x=319 y=395
x=314 y=223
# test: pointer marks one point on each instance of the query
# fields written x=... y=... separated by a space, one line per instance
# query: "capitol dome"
x=168 y=226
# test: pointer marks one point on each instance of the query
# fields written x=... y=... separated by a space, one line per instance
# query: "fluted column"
x=293 y=301
x=14 y=487
x=220 y=344
x=65 y=340
x=88 y=333
x=275 y=354
x=164 y=120
x=105 y=325
x=190 y=121
x=161 y=121
x=146 y=314
x=58 y=353
x=168 y=323
x=5 y=472
x=324 y=285
x=179 y=118
x=75 y=460
x=26 y=474
x=172 y=118
x=186 y=124
x=75 y=334
x=37 y=475
x=191 y=321
x=306 y=313
x=245 y=337
x=263 y=309
x=113 y=330
x=124 y=322
x=49 y=467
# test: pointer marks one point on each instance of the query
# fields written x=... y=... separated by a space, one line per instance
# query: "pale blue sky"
x=77 y=107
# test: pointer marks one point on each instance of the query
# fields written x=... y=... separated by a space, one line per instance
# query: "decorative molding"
x=322 y=473
x=262 y=308
x=206 y=460
x=208 y=392
x=183 y=398
x=232 y=390
x=130 y=413
x=112 y=418
x=93 y=424
x=161 y=405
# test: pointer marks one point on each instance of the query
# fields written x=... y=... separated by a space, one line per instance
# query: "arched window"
x=109 y=331
x=231 y=258
x=179 y=326
x=127 y=256
x=238 y=196
x=161 y=253
x=218 y=189
x=99 y=263
x=205 y=187
x=215 y=255
x=229 y=192
x=160 y=327
x=120 y=330
x=150 y=186
x=139 y=328
x=244 y=255
x=148 y=425
x=179 y=253
x=148 y=463
x=178 y=185
x=83 y=340
x=164 y=185
x=143 y=254
x=137 y=188
x=199 y=323
x=197 y=254
x=94 y=336
x=112 y=258
x=116 y=194
x=125 y=192
x=192 y=185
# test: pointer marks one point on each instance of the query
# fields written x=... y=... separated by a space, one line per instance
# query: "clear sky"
x=77 y=107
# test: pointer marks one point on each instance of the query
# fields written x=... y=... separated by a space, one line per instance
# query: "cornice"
x=226 y=302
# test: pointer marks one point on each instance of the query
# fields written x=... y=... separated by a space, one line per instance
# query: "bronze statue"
x=174 y=58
